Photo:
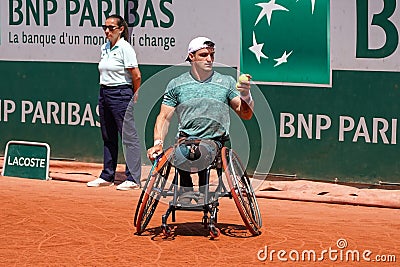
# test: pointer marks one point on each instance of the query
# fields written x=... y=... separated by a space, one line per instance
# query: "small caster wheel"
x=167 y=231
x=214 y=232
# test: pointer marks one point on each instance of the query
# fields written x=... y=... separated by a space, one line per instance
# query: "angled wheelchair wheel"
x=152 y=192
x=241 y=190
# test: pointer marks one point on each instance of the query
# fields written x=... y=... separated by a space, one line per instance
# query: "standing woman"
x=120 y=80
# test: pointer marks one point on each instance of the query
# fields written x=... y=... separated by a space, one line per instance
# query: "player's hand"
x=243 y=86
x=154 y=151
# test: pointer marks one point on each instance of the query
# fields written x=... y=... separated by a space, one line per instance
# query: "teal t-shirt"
x=202 y=108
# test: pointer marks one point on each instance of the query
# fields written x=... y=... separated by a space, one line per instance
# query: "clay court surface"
x=61 y=222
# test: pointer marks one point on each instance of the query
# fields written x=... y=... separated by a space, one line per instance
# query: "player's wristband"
x=248 y=98
x=158 y=142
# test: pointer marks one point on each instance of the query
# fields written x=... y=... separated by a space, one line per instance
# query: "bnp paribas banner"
x=277 y=41
x=70 y=30
x=286 y=41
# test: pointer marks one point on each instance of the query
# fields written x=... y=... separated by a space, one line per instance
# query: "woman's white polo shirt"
x=114 y=63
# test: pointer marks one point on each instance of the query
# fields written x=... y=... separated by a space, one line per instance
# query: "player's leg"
x=186 y=187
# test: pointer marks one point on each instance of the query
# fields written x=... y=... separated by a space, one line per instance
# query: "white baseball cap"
x=199 y=43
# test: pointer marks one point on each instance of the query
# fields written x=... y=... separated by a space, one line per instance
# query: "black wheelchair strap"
x=220 y=140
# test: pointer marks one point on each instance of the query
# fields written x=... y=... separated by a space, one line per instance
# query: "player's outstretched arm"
x=160 y=130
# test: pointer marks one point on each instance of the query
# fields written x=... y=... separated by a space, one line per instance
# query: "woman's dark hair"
x=122 y=23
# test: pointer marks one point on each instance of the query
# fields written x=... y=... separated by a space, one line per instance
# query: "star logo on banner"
x=312 y=5
x=282 y=59
x=267 y=9
x=256 y=49
x=277 y=37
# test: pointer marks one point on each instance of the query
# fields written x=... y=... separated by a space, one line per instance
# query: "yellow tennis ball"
x=243 y=78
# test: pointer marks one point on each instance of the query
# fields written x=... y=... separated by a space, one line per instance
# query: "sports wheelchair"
x=194 y=155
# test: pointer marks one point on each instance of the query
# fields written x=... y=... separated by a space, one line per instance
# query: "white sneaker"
x=99 y=182
x=128 y=185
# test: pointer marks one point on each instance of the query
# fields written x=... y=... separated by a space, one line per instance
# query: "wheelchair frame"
x=241 y=191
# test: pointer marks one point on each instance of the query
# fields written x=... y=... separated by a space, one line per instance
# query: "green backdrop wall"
x=366 y=95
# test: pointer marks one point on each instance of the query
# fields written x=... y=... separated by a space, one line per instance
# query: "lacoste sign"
x=27 y=160
x=286 y=41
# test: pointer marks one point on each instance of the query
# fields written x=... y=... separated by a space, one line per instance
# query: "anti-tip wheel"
x=167 y=231
x=214 y=232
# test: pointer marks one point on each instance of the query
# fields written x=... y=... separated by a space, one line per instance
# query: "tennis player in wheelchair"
x=201 y=99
